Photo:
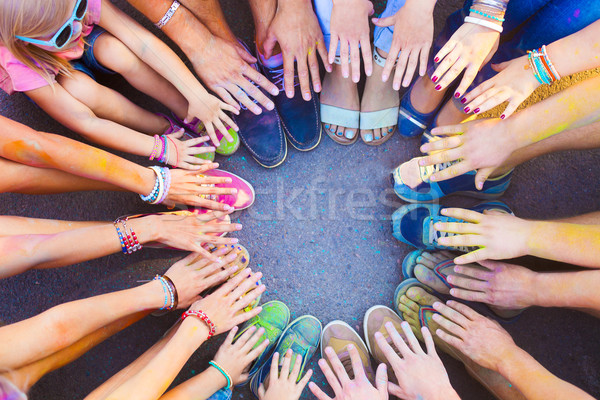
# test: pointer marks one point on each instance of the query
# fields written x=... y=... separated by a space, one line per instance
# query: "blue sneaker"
x=302 y=336
x=262 y=134
x=273 y=318
x=427 y=191
x=301 y=119
x=413 y=224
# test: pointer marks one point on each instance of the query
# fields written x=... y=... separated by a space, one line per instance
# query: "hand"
x=193 y=274
x=227 y=74
x=191 y=231
x=420 y=375
x=209 y=109
x=413 y=34
x=224 y=306
x=296 y=29
x=513 y=83
x=483 y=145
x=181 y=152
x=186 y=189
x=500 y=284
x=468 y=49
x=284 y=385
x=350 y=27
x=234 y=358
x=343 y=387
x=481 y=339
x=500 y=236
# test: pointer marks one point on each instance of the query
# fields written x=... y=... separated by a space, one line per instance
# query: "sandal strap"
x=379 y=119
x=406 y=114
x=443 y=277
x=339 y=116
x=379 y=60
x=422 y=318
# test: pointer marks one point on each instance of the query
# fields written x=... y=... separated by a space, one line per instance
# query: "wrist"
x=425 y=6
x=510 y=361
x=146 y=228
x=217 y=376
x=195 y=330
x=151 y=295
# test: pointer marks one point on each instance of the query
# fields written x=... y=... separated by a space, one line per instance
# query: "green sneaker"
x=302 y=336
x=273 y=318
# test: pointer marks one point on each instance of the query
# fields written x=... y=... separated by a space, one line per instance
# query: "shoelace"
x=279 y=78
x=429 y=170
x=434 y=236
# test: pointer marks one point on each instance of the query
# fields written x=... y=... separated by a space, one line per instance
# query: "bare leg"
x=113 y=54
x=16 y=226
x=19 y=178
x=111 y=105
x=28 y=375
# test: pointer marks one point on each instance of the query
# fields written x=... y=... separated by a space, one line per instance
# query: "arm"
x=489 y=345
x=163 y=60
x=222 y=65
x=486 y=143
x=516 y=81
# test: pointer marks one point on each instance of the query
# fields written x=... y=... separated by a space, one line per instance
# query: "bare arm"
x=22 y=144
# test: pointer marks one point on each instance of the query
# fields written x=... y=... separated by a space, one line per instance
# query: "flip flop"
x=370 y=120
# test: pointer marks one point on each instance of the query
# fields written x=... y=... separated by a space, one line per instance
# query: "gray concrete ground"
x=320 y=233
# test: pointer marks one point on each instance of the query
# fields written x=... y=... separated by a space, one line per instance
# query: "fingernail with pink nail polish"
x=476 y=110
x=457 y=95
x=438 y=87
x=502 y=116
x=467 y=109
x=434 y=79
x=437 y=59
x=463 y=100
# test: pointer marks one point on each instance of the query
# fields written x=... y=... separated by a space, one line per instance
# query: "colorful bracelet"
x=121 y=238
x=550 y=65
x=486 y=15
x=201 y=315
x=496 y=4
x=173 y=290
x=223 y=372
x=167 y=17
x=155 y=149
x=154 y=193
x=131 y=236
x=168 y=293
x=485 y=23
x=165 y=149
x=166 y=174
x=542 y=67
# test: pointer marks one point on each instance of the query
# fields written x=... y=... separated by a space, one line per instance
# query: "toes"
x=387 y=131
x=367 y=136
x=339 y=131
x=420 y=296
x=376 y=134
x=349 y=134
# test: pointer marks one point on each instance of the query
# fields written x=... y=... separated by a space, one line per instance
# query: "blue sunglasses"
x=64 y=34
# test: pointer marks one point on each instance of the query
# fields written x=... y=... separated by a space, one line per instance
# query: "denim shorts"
x=88 y=63
x=223 y=394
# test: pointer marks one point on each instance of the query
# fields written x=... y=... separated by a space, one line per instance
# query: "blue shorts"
x=88 y=63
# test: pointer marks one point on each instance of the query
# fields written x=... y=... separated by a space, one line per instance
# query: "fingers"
x=511 y=107
x=381 y=380
x=365 y=46
x=210 y=130
x=224 y=131
x=467 y=240
x=453 y=316
x=453 y=171
x=177 y=135
x=323 y=54
x=231 y=335
x=333 y=44
x=355 y=60
x=337 y=366
x=261 y=391
x=400 y=67
x=387 y=350
x=357 y=366
x=468 y=78
x=263 y=82
x=269 y=44
x=413 y=60
x=429 y=344
x=482 y=175
x=464 y=310
x=243 y=340
x=253 y=355
x=330 y=376
x=243 y=98
x=448 y=130
x=443 y=156
x=285 y=368
x=450 y=339
x=253 y=91
x=468 y=295
x=452 y=73
x=313 y=65
x=344 y=57
x=457 y=227
x=317 y=392
x=390 y=62
x=472 y=257
x=410 y=337
x=464 y=214
x=296 y=370
x=445 y=143
x=275 y=366
x=245 y=285
x=288 y=74
x=441 y=55
x=423 y=58
x=303 y=77
x=475 y=273
x=304 y=381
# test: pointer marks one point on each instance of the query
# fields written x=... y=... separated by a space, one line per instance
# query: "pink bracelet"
x=200 y=314
x=155 y=149
x=161 y=158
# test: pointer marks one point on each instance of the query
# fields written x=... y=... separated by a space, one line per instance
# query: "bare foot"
x=378 y=95
x=340 y=92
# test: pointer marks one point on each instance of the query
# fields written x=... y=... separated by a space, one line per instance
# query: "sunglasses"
x=64 y=34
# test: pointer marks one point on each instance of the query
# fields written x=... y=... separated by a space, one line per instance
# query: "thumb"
x=387 y=21
x=269 y=44
x=482 y=176
x=245 y=55
x=177 y=135
x=261 y=391
x=381 y=380
x=501 y=66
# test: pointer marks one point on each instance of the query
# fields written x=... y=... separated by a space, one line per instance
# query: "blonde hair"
x=32 y=19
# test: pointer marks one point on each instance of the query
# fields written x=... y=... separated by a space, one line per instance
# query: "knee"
x=114 y=55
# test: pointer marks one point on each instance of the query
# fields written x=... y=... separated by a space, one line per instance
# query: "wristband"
x=499 y=19
x=167 y=17
x=173 y=290
x=482 y=22
x=223 y=372
x=202 y=316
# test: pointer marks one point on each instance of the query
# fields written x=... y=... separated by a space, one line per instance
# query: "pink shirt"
x=17 y=77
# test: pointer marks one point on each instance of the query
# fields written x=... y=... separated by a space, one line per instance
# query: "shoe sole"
x=312 y=148
x=343 y=324
x=335 y=137
x=477 y=195
x=273 y=166
x=369 y=311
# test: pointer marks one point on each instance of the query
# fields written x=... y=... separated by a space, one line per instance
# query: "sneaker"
x=375 y=319
x=244 y=197
x=413 y=224
x=262 y=134
x=426 y=190
x=273 y=318
x=338 y=335
x=302 y=336
x=300 y=118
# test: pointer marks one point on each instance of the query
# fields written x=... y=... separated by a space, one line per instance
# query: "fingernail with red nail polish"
x=476 y=110
x=467 y=109
x=434 y=79
x=463 y=100
x=438 y=87
x=502 y=116
x=457 y=95
x=436 y=59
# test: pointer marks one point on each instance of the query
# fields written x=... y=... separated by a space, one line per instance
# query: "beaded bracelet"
x=487 y=15
x=134 y=242
x=223 y=372
x=121 y=238
x=201 y=315
x=542 y=67
x=166 y=174
x=547 y=61
x=173 y=290
x=127 y=237
x=169 y=295
x=154 y=193
x=155 y=149
x=483 y=22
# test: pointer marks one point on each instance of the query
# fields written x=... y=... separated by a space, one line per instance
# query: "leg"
x=16 y=226
x=112 y=53
x=19 y=178
x=108 y=104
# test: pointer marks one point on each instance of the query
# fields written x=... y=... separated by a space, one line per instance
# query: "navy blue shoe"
x=428 y=190
x=301 y=119
x=413 y=224
x=262 y=134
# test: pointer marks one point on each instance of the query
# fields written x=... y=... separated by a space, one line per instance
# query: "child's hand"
x=284 y=385
x=182 y=152
x=224 y=306
x=186 y=188
x=209 y=110
x=194 y=274
x=234 y=358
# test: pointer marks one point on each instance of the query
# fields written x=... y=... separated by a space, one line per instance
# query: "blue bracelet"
x=222 y=371
x=486 y=15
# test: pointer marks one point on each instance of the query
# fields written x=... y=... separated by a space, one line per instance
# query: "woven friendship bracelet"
x=167 y=17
